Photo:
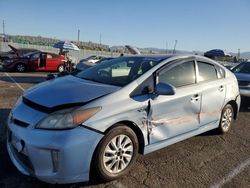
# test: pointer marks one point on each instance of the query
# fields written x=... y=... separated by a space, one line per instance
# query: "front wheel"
x=116 y=153
x=227 y=118
x=60 y=68
x=20 y=67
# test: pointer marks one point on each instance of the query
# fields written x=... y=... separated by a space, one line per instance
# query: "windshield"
x=119 y=71
x=11 y=52
x=30 y=54
x=242 y=68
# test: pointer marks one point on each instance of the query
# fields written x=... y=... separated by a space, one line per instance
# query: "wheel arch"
x=235 y=107
x=138 y=133
x=136 y=130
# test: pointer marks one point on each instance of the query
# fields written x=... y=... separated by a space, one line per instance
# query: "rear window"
x=220 y=72
x=207 y=72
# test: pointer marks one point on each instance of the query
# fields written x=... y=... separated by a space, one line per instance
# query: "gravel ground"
x=206 y=160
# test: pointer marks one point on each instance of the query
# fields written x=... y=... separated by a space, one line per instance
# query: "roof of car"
x=163 y=56
x=31 y=49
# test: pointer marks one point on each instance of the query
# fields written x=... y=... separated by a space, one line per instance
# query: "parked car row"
x=25 y=59
x=35 y=61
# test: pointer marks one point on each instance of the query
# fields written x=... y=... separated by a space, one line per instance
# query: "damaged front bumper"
x=53 y=156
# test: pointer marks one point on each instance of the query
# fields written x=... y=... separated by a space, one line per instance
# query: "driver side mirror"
x=164 y=89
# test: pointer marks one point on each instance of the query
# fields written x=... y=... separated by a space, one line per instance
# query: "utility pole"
x=175 y=44
x=3 y=31
x=166 y=47
x=100 y=38
x=78 y=36
x=238 y=56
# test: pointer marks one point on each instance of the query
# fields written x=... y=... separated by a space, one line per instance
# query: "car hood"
x=65 y=92
x=84 y=65
x=242 y=76
x=7 y=54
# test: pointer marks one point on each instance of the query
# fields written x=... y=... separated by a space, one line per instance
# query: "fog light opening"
x=55 y=159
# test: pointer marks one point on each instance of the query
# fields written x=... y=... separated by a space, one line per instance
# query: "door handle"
x=196 y=97
x=221 y=88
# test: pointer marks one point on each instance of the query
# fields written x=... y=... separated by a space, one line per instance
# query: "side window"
x=180 y=75
x=220 y=72
x=49 y=56
x=35 y=56
x=144 y=88
x=207 y=72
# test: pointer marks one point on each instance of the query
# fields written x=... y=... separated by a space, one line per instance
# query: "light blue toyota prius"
x=95 y=122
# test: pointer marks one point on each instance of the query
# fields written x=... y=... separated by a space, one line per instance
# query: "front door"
x=42 y=61
x=173 y=115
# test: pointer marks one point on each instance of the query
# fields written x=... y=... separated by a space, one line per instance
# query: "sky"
x=196 y=24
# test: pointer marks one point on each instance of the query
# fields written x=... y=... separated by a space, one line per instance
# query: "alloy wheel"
x=118 y=154
x=20 y=68
x=227 y=119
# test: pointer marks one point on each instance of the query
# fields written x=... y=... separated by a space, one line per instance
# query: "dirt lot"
x=207 y=160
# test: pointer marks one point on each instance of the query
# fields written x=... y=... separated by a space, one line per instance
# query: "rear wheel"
x=116 y=153
x=60 y=68
x=227 y=118
x=20 y=67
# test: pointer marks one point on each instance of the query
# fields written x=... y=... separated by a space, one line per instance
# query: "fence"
x=76 y=54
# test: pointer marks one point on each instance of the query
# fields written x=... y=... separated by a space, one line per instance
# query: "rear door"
x=176 y=114
x=211 y=81
x=50 y=62
x=53 y=62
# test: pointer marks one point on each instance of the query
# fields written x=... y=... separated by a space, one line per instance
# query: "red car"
x=35 y=61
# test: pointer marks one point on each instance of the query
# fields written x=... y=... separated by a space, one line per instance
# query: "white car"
x=92 y=59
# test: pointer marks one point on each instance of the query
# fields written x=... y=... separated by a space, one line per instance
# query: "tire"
x=60 y=68
x=110 y=163
x=227 y=119
x=20 y=67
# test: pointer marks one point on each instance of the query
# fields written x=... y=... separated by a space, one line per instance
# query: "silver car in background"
x=99 y=119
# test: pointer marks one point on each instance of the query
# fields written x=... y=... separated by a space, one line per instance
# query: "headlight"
x=9 y=61
x=67 y=119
